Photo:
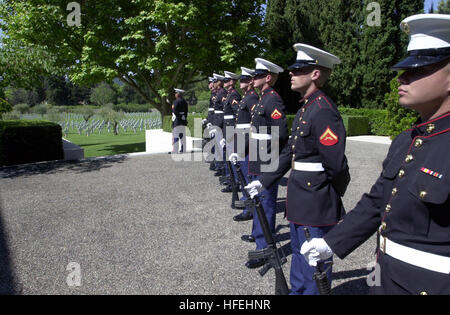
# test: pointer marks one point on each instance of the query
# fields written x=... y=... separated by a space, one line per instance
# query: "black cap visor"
x=423 y=57
x=300 y=64
x=245 y=77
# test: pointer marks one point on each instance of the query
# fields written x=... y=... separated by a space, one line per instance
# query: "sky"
x=428 y=4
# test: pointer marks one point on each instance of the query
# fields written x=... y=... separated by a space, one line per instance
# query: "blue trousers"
x=244 y=168
x=301 y=272
x=269 y=203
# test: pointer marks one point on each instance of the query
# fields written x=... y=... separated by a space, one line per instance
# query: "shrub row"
x=355 y=125
x=28 y=141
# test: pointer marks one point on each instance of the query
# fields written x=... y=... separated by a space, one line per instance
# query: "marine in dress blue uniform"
x=217 y=128
x=233 y=98
x=241 y=136
x=316 y=154
x=409 y=203
x=268 y=129
x=179 y=122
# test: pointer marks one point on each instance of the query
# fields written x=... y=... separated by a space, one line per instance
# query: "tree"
x=444 y=7
x=151 y=46
x=56 y=90
x=349 y=30
x=103 y=94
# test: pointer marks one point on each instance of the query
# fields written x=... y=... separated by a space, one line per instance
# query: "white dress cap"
x=263 y=65
x=231 y=75
x=247 y=72
x=179 y=91
x=218 y=77
x=308 y=55
x=427 y=31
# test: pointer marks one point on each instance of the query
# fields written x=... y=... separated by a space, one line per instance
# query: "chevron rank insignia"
x=276 y=114
x=235 y=102
x=224 y=99
x=253 y=107
x=328 y=138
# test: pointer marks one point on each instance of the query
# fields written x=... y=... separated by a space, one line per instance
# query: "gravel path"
x=146 y=225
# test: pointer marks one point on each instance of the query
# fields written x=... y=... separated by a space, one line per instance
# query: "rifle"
x=234 y=186
x=270 y=253
x=320 y=276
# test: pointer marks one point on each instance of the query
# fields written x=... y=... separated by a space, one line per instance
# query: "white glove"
x=212 y=133
x=315 y=250
x=222 y=143
x=173 y=117
x=208 y=125
x=204 y=121
x=254 y=188
x=233 y=157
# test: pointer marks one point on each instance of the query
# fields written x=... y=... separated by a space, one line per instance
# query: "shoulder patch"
x=224 y=99
x=276 y=114
x=328 y=138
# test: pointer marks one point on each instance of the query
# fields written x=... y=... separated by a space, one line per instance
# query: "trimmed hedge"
x=28 y=141
x=356 y=125
x=377 y=118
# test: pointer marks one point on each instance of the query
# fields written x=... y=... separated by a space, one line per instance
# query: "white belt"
x=210 y=109
x=181 y=113
x=218 y=112
x=228 y=117
x=243 y=126
x=260 y=136
x=308 y=167
x=415 y=257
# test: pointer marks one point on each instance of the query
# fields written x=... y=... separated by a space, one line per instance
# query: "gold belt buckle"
x=292 y=164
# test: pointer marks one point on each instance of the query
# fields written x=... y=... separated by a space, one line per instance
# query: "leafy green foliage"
x=103 y=94
x=152 y=46
x=4 y=106
x=444 y=7
x=340 y=27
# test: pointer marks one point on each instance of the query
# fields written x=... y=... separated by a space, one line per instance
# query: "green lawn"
x=107 y=143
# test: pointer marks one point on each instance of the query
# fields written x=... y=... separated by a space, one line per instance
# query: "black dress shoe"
x=227 y=189
x=255 y=263
x=244 y=217
x=248 y=238
x=220 y=172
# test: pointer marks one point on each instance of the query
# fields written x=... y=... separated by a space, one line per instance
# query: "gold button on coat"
x=430 y=128
x=423 y=293
x=394 y=191
x=388 y=208
x=401 y=173
x=409 y=158
x=418 y=143
x=423 y=194
x=383 y=226
x=309 y=184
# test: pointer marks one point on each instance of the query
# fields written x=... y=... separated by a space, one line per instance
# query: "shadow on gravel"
x=352 y=287
x=52 y=167
x=7 y=282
